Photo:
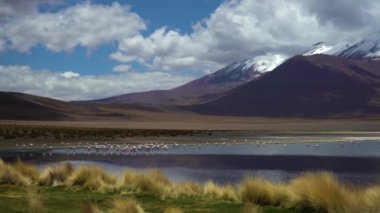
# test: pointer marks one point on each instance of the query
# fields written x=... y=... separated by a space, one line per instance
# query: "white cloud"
x=69 y=74
x=52 y=84
x=85 y=24
x=240 y=29
x=122 y=68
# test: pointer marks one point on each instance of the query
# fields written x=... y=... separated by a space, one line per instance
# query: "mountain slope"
x=206 y=88
x=368 y=48
x=318 y=85
x=19 y=106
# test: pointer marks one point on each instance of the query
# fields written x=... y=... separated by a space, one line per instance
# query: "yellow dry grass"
x=129 y=205
x=35 y=201
x=151 y=181
x=93 y=178
x=173 y=210
x=56 y=175
x=256 y=190
x=90 y=207
x=315 y=191
x=26 y=170
x=8 y=175
x=188 y=189
x=251 y=208
x=320 y=191
x=215 y=191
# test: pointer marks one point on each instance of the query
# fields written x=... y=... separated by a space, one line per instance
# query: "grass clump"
x=249 y=207
x=90 y=207
x=320 y=191
x=35 y=201
x=151 y=181
x=129 y=205
x=371 y=199
x=215 y=191
x=189 y=189
x=26 y=170
x=173 y=210
x=256 y=190
x=56 y=175
x=93 y=178
x=9 y=175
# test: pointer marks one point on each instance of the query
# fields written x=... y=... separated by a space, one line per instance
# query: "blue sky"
x=175 y=14
x=75 y=50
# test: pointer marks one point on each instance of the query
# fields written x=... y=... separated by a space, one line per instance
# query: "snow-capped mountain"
x=323 y=48
x=207 y=87
x=367 y=48
x=248 y=69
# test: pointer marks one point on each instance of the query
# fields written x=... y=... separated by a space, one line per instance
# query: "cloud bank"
x=71 y=86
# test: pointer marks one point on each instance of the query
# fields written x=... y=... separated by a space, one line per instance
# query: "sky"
x=80 y=50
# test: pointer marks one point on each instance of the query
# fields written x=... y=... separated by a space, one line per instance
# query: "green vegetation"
x=91 y=189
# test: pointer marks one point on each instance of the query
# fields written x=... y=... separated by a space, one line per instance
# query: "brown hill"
x=311 y=86
x=19 y=106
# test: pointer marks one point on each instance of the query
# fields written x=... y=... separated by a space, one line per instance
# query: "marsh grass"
x=251 y=208
x=371 y=199
x=173 y=210
x=256 y=190
x=9 y=175
x=151 y=181
x=90 y=207
x=320 y=191
x=189 y=189
x=215 y=191
x=93 y=178
x=129 y=205
x=35 y=201
x=311 y=192
x=26 y=170
x=56 y=175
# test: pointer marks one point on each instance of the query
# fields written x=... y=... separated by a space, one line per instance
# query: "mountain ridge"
x=317 y=85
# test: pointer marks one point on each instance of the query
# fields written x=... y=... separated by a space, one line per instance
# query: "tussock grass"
x=371 y=199
x=311 y=192
x=25 y=170
x=56 y=175
x=90 y=207
x=188 y=189
x=126 y=206
x=35 y=201
x=9 y=175
x=151 y=181
x=251 y=208
x=320 y=191
x=173 y=210
x=256 y=190
x=93 y=178
x=215 y=191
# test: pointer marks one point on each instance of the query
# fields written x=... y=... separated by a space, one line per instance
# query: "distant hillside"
x=18 y=106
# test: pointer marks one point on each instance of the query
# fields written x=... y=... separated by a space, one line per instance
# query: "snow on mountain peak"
x=318 y=48
x=249 y=69
x=366 y=48
x=266 y=63
x=323 y=48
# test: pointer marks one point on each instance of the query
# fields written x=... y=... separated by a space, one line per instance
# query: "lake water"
x=355 y=162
